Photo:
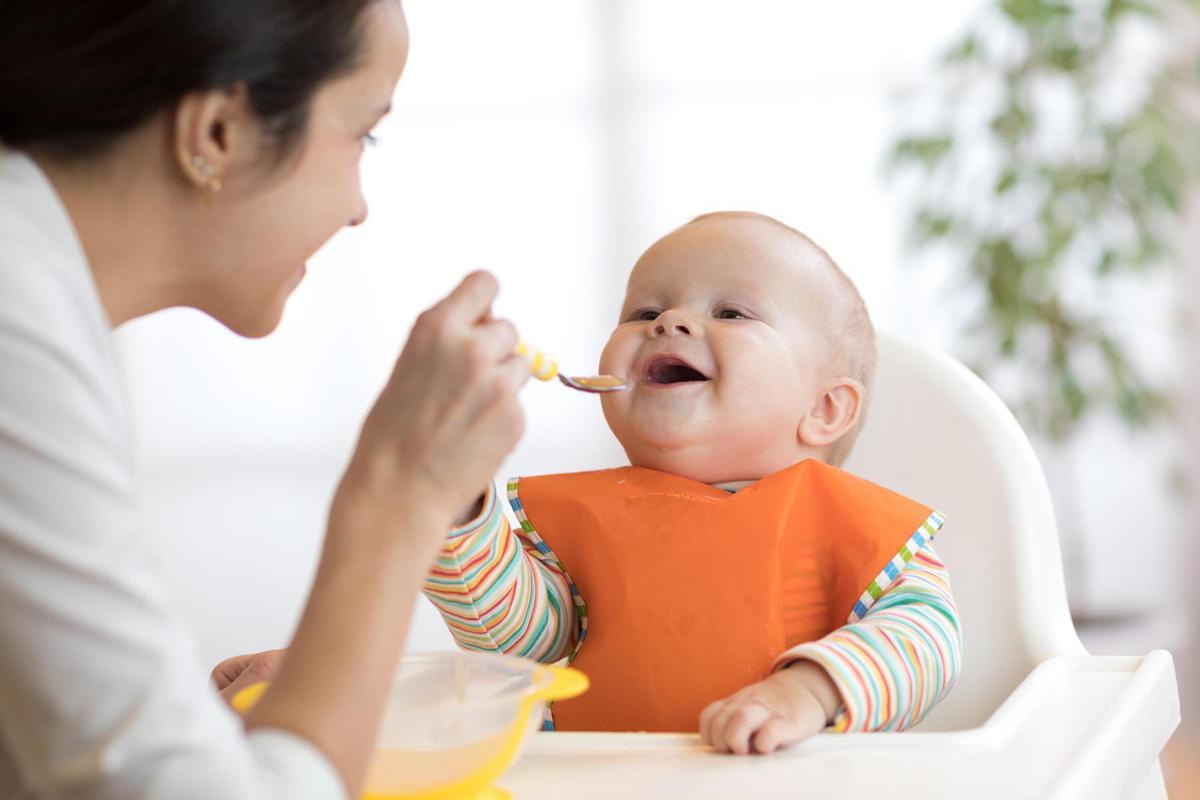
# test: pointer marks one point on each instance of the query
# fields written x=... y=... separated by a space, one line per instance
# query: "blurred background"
x=1009 y=182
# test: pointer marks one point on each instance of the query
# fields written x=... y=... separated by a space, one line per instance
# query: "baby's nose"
x=671 y=323
x=677 y=327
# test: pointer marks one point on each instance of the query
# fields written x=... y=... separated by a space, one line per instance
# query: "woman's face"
x=272 y=221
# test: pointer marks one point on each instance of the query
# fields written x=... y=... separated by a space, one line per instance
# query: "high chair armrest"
x=1130 y=733
x=1076 y=727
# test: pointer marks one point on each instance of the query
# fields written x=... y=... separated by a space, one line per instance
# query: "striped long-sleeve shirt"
x=499 y=590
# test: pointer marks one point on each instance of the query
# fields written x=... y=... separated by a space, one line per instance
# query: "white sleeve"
x=101 y=694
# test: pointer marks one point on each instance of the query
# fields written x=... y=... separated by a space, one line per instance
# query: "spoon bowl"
x=595 y=384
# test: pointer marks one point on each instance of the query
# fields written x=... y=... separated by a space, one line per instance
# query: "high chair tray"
x=1076 y=727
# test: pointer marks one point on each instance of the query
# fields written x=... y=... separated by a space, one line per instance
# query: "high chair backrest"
x=940 y=435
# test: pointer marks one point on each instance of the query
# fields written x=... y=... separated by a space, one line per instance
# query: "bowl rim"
x=539 y=676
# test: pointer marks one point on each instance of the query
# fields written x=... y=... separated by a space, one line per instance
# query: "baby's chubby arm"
x=494 y=594
x=787 y=707
x=886 y=671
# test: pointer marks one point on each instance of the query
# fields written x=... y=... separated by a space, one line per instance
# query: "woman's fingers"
x=501 y=423
x=491 y=414
x=234 y=674
x=228 y=670
x=514 y=371
x=471 y=301
x=449 y=414
x=500 y=336
x=490 y=363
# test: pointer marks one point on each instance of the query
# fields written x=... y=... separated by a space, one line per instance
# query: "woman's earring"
x=206 y=170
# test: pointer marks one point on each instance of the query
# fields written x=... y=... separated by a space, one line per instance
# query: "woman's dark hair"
x=77 y=74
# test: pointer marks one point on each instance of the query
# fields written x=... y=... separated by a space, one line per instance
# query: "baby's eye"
x=645 y=315
x=730 y=313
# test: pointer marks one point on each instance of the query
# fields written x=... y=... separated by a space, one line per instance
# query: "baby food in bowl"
x=455 y=721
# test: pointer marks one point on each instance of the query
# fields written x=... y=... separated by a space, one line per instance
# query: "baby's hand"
x=781 y=710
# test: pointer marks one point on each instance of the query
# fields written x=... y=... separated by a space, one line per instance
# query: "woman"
x=158 y=153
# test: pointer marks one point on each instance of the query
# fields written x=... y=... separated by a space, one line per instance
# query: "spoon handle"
x=544 y=367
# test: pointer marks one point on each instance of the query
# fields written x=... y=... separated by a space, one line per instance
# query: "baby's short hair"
x=850 y=336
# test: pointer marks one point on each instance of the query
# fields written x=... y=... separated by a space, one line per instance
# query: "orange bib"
x=693 y=592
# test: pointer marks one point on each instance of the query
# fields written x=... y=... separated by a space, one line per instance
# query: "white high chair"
x=1032 y=715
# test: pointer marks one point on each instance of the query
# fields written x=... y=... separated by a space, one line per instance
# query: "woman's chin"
x=255 y=316
x=261 y=322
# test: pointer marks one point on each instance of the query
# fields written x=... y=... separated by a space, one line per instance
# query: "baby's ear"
x=833 y=414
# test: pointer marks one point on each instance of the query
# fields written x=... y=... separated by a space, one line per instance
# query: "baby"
x=733 y=578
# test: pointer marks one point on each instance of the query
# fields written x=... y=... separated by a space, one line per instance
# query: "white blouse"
x=101 y=693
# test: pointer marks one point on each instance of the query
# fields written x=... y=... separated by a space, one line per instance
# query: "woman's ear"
x=212 y=130
x=833 y=413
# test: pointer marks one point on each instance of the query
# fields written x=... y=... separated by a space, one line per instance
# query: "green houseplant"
x=1049 y=234
x=1045 y=232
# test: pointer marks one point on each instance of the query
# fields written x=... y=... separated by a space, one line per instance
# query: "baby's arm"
x=886 y=671
x=496 y=595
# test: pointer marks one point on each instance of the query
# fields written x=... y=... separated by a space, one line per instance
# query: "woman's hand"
x=434 y=438
x=448 y=415
x=234 y=674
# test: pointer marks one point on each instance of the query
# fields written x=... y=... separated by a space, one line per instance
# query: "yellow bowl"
x=454 y=722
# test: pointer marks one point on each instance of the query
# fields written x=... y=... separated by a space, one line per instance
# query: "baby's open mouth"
x=669 y=369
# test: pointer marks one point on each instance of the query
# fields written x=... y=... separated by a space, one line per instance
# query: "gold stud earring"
x=201 y=164
x=212 y=182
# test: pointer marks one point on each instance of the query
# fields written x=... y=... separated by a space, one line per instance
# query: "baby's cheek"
x=761 y=383
x=615 y=406
x=615 y=351
x=765 y=406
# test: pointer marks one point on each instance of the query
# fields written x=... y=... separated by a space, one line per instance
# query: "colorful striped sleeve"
x=901 y=658
x=495 y=595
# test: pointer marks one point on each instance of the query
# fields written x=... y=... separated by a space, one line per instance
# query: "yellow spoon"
x=545 y=368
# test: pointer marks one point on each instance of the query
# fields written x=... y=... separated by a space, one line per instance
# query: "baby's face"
x=719 y=335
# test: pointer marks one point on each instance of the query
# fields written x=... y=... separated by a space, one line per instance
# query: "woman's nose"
x=673 y=323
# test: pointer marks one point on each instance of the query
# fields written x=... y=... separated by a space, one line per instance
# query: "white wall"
x=549 y=141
